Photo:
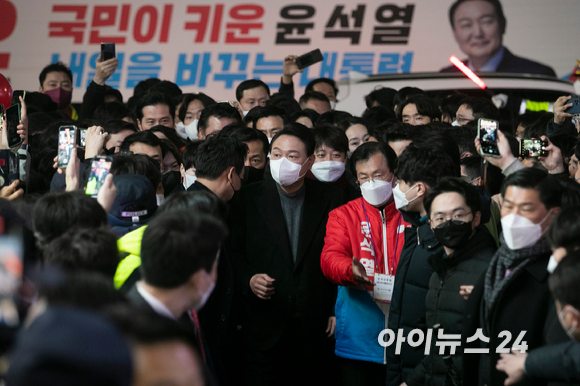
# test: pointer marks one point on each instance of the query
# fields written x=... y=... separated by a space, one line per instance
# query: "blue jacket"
x=359 y=321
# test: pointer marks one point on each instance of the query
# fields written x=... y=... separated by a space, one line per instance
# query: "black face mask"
x=110 y=151
x=453 y=234
x=251 y=174
x=170 y=181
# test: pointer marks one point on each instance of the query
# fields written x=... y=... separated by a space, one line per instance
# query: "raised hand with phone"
x=106 y=64
x=9 y=191
x=552 y=160
x=289 y=69
x=505 y=157
x=548 y=154
x=294 y=65
x=561 y=109
x=95 y=140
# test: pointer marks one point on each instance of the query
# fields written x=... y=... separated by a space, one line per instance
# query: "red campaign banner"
x=213 y=46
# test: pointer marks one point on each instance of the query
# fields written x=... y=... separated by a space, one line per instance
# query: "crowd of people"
x=273 y=241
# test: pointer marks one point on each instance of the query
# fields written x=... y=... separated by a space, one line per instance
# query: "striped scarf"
x=505 y=259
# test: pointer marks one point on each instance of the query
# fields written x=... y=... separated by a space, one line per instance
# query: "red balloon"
x=7 y=19
x=5 y=92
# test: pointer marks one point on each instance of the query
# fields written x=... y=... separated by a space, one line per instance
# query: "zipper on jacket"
x=418 y=239
x=385 y=243
x=386 y=258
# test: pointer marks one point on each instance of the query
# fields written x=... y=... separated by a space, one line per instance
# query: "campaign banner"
x=212 y=46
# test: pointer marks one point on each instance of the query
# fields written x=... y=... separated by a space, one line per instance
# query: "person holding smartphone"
x=95 y=94
x=325 y=86
x=15 y=189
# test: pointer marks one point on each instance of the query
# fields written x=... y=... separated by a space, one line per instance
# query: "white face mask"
x=332 y=105
x=189 y=131
x=245 y=112
x=160 y=199
x=270 y=140
x=455 y=123
x=189 y=180
x=377 y=192
x=180 y=128
x=285 y=172
x=519 y=232
x=401 y=201
x=328 y=171
x=552 y=264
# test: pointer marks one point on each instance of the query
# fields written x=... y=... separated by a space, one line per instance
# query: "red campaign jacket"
x=347 y=236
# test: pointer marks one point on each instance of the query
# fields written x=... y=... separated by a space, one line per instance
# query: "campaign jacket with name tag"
x=359 y=320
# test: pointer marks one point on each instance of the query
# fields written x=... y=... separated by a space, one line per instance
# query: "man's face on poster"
x=477 y=29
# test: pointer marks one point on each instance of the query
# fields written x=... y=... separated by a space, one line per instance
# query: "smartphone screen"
x=100 y=168
x=83 y=135
x=12 y=122
x=107 y=51
x=66 y=142
x=13 y=167
x=487 y=131
x=4 y=168
x=309 y=59
x=533 y=148
x=11 y=270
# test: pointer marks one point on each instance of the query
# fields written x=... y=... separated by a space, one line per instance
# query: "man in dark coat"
x=219 y=168
x=513 y=295
x=478 y=27
x=277 y=238
x=558 y=362
x=179 y=269
x=420 y=167
x=454 y=211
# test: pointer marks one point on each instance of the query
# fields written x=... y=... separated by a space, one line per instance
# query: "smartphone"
x=66 y=142
x=11 y=272
x=309 y=59
x=100 y=168
x=82 y=137
x=8 y=167
x=487 y=134
x=575 y=108
x=16 y=94
x=107 y=51
x=530 y=148
x=12 y=122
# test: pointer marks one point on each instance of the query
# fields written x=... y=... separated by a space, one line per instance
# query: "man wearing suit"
x=220 y=168
x=278 y=232
x=513 y=295
x=478 y=27
x=179 y=259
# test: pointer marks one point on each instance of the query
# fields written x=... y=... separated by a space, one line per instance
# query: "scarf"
x=506 y=259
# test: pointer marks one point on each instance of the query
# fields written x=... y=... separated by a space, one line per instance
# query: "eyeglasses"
x=364 y=180
x=440 y=218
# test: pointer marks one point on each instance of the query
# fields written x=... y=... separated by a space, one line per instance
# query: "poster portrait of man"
x=478 y=28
